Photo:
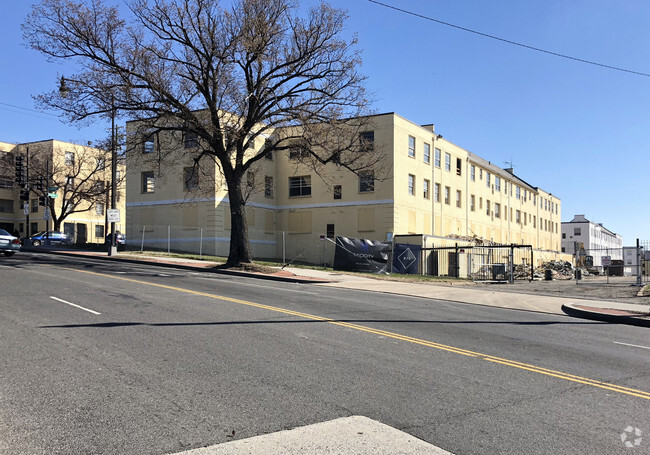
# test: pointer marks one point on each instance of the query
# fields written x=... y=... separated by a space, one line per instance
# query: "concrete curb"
x=180 y=265
x=637 y=319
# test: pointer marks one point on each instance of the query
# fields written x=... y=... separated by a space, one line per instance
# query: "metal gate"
x=493 y=263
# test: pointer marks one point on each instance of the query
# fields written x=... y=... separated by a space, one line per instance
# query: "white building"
x=594 y=238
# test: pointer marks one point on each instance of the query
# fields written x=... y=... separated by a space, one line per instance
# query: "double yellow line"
x=397 y=336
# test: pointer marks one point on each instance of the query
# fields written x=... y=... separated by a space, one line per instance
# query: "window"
x=147 y=182
x=99 y=186
x=6 y=182
x=427 y=153
x=436 y=192
x=99 y=231
x=487 y=206
x=250 y=179
x=330 y=231
x=69 y=158
x=480 y=174
x=7 y=206
x=447 y=162
x=458 y=198
x=268 y=143
x=33 y=206
x=338 y=192
x=487 y=179
x=268 y=186
x=425 y=189
x=367 y=141
x=534 y=199
x=101 y=164
x=497 y=210
x=472 y=173
x=577 y=231
x=411 y=146
x=497 y=183
x=148 y=144
x=69 y=182
x=518 y=217
x=525 y=195
x=447 y=191
x=99 y=208
x=518 y=192
x=366 y=181
x=472 y=203
x=480 y=203
x=411 y=184
x=190 y=140
x=437 y=157
x=300 y=186
x=298 y=153
x=190 y=178
x=459 y=163
x=534 y=221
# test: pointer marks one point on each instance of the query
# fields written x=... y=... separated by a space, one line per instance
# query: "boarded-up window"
x=190 y=217
x=366 y=219
x=412 y=222
x=147 y=219
x=268 y=222
x=300 y=222
x=250 y=217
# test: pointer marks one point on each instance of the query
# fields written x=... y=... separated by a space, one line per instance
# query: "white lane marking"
x=72 y=304
x=633 y=345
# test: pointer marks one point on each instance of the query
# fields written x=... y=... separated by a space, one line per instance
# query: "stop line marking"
x=73 y=304
x=633 y=345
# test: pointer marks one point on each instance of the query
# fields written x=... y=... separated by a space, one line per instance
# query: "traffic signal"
x=39 y=184
x=24 y=194
x=20 y=170
x=42 y=200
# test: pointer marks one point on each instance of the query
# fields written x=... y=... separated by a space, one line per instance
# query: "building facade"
x=426 y=185
x=583 y=237
x=75 y=172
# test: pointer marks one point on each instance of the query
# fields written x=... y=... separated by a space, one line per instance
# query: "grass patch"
x=646 y=290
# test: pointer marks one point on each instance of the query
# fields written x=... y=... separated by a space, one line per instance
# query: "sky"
x=576 y=130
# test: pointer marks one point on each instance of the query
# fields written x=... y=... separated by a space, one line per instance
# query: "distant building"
x=594 y=238
x=85 y=170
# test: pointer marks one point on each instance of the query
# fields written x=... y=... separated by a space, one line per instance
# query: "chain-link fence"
x=624 y=266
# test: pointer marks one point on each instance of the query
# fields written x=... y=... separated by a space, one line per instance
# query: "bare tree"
x=81 y=179
x=226 y=76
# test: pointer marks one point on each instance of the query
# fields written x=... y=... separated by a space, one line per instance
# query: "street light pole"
x=113 y=247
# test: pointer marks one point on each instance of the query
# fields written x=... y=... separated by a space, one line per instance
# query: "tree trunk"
x=239 y=245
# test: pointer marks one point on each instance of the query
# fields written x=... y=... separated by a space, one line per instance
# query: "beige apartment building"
x=426 y=185
x=75 y=171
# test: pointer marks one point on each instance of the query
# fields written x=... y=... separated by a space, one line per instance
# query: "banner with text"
x=361 y=255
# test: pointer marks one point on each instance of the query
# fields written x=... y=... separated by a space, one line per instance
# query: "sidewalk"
x=617 y=312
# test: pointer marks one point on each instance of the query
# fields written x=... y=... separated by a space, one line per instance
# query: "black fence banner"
x=406 y=258
x=361 y=255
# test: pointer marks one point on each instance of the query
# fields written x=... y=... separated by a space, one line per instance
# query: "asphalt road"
x=157 y=360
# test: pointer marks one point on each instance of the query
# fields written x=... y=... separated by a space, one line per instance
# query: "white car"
x=9 y=244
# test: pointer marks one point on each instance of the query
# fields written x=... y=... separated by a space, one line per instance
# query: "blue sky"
x=578 y=131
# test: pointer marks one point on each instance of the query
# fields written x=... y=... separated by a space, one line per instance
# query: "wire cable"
x=514 y=43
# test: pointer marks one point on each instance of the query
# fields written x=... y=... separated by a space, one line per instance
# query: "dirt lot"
x=620 y=289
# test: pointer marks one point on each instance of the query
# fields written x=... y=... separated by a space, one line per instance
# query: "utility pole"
x=28 y=241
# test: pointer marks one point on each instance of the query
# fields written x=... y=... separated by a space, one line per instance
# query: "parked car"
x=9 y=244
x=56 y=238
x=120 y=239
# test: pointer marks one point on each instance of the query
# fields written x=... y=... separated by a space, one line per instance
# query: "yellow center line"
x=397 y=336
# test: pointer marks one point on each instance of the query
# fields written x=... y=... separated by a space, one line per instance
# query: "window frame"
x=303 y=186
x=147 y=182
x=411 y=146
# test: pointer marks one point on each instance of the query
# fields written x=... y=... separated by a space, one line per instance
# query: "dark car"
x=55 y=238
x=120 y=239
x=9 y=244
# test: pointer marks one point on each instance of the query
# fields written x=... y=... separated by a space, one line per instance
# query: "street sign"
x=606 y=261
x=26 y=209
x=51 y=195
x=113 y=215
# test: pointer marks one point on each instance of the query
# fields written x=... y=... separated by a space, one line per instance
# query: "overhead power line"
x=514 y=43
x=41 y=114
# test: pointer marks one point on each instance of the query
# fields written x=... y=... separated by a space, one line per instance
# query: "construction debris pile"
x=560 y=270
